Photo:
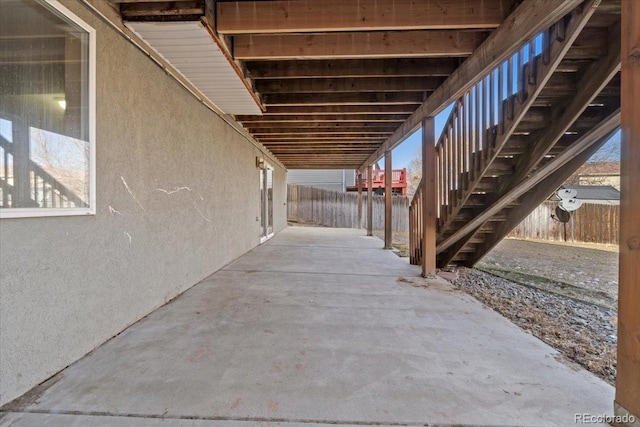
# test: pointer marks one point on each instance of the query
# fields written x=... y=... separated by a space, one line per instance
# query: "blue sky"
x=402 y=155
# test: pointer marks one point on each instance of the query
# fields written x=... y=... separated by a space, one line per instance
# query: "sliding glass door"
x=266 y=202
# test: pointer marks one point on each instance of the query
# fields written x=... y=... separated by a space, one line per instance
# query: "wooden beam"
x=429 y=197
x=405 y=44
x=399 y=98
x=351 y=68
x=333 y=126
x=303 y=149
x=191 y=10
x=339 y=110
x=327 y=166
x=594 y=136
x=321 y=118
x=261 y=17
x=628 y=378
x=388 y=214
x=531 y=17
x=322 y=131
x=369 y=200
x=319 y=139
x=361 y=84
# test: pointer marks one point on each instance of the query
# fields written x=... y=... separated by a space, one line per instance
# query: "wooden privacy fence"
x=312 y=205
x=593 y=223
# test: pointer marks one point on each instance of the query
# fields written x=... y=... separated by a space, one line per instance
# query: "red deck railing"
x=398 y=181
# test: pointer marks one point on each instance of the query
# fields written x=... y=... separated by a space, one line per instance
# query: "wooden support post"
x=628 y=382
x=359 y=183
x=388 y=179
x=429 y=197
x=369 y=201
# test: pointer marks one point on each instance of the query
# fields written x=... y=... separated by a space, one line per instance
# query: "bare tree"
x=414 y=173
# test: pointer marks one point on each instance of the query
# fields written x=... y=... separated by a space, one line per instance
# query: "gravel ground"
x=583 y=332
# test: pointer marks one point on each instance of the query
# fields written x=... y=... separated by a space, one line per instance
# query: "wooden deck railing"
x=45 y=191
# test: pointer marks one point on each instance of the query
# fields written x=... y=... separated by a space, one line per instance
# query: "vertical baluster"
x=546 y=45
x=450 y=168
x=560 y=32
x=5 y=195
x=460 y=148
x=418 y=229
x=493 y=82
x=470 y=143
x=532 y=77
x=438 y=179
x=478 y=127
x=443 y=167
x=500 y=98
x=486 y=108
x=456 y=148
x=522 y=74
x=411 y=261
x=35 y=187
x=510 y=87
x=463 y=138
x=446 y=164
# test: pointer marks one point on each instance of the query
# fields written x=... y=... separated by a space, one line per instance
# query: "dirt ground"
x=588 y=273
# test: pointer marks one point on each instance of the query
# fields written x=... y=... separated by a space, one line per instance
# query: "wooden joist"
x=369 y=98
x=260 y=17
x=335 y=126
x=321 y=118
x=406 y=44
x=188 y=10
x=346 y=68
x=358 y=85
x=338 y=110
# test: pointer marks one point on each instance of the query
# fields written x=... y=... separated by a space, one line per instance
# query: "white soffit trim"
x=191 y=50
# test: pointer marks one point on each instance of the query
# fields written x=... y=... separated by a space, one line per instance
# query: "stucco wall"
x=69 y=283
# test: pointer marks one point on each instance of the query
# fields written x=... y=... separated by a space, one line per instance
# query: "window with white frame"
x=47 y=110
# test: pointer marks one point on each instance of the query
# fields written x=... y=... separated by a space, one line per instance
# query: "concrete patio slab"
x=335 y=332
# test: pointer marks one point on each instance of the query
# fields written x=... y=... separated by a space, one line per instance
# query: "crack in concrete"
x=310 y=272
x=223 y=418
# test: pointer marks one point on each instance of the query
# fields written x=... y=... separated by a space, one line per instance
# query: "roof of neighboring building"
x=594 y=192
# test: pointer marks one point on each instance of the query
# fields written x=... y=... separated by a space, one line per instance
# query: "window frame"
x=56 y=6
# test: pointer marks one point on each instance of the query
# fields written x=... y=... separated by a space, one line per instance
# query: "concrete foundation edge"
x=626 y=417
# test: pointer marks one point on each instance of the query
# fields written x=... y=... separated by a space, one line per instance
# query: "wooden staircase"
x=518 y=134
